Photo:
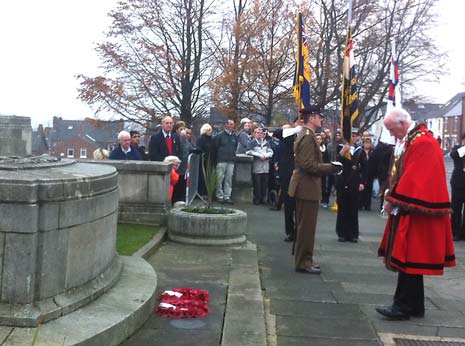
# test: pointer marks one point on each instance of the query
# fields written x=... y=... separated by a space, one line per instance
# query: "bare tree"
x=274 y=60
x=155 y=61
x=375 y=25
x=235 y=60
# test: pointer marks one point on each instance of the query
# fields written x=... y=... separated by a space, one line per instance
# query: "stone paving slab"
x=316 y=341
x=182 y=337
x=452 y=332
x=324 y=327
x=315 y=310
x=302 y=294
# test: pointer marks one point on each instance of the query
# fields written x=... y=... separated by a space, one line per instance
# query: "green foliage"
x=211 y=180
x=36 y=335
x=131 y=238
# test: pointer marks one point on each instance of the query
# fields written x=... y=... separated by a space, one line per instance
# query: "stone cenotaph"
x=58 y=257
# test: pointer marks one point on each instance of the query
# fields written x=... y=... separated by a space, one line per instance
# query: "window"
x=83 y=153
x=70 y=152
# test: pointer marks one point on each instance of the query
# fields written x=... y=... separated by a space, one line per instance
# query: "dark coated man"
x=457 y=184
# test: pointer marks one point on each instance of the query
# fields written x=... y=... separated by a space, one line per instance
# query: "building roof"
x=422 y=111
x=97 y=131
x=453 y=107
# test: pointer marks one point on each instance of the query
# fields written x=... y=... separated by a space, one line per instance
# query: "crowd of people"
x=305 y=166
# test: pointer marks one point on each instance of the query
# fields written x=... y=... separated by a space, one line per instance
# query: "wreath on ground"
x=183 y=303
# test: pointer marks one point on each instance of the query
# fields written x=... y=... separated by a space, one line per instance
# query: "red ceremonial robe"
x=419 y=239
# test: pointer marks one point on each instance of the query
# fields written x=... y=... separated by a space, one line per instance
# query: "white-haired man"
x=124 y=150
x=417 y=239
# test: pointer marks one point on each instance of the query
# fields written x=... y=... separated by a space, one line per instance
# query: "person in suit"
x=379 y=168
x=417 y=239
x=285 y=166
x=348 y=187
x=124 y=151
x=457 y=184
x=165 y=142
x=305 y=187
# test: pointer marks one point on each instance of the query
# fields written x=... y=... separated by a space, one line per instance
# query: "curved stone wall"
x=57 y=232
x=207 y=229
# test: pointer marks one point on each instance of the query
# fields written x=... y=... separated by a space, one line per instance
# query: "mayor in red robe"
x=417 y=239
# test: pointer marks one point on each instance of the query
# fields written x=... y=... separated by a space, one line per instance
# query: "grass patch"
x=130 y=238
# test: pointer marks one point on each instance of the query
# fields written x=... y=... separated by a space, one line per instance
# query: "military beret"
x=312 y=109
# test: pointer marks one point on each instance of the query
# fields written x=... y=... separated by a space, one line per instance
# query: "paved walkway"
x=336 y=308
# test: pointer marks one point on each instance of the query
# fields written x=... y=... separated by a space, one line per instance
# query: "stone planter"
x=207 y=229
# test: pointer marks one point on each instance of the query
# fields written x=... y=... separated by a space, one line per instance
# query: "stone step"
x=107 y=321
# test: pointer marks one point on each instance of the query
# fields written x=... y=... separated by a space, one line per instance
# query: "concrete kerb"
x=244 y=299
x=152 y=246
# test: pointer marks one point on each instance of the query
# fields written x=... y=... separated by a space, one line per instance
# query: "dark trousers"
x=328 y=186
x=260 y=187
x=307 y=213
x=179 y=190
x=289 y=209
x=458 y=213
x=365 y=196
x=347 y=213
x=410 y=295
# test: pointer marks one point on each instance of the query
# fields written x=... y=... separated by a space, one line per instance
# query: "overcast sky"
x=45 y=43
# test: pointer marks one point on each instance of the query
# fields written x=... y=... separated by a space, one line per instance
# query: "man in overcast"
x=165 y=142
x=124 y=150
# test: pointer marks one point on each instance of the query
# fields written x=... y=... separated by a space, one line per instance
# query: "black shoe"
x=354 y=240
x=341 y=239
x=275 y=208
x=288 y=238
x=309 y=270
x=228 y=201
x=420 y=314
x=393 y=313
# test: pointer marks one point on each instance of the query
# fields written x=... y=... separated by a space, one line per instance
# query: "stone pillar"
x=15 y=136
x=242 y=184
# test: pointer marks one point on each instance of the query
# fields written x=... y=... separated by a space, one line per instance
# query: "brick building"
x=79 y=138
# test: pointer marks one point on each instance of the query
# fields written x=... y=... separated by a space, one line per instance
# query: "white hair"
x=123 y=134
x=100 y=154
x=172 y=159
x=205 y=128
x=398 y=115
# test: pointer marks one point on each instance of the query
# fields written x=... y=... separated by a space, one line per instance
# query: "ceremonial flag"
x=350 y=101
x=394 y=98
x=302 y=71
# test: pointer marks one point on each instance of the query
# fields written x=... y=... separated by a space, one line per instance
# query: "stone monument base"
x=108 y=320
